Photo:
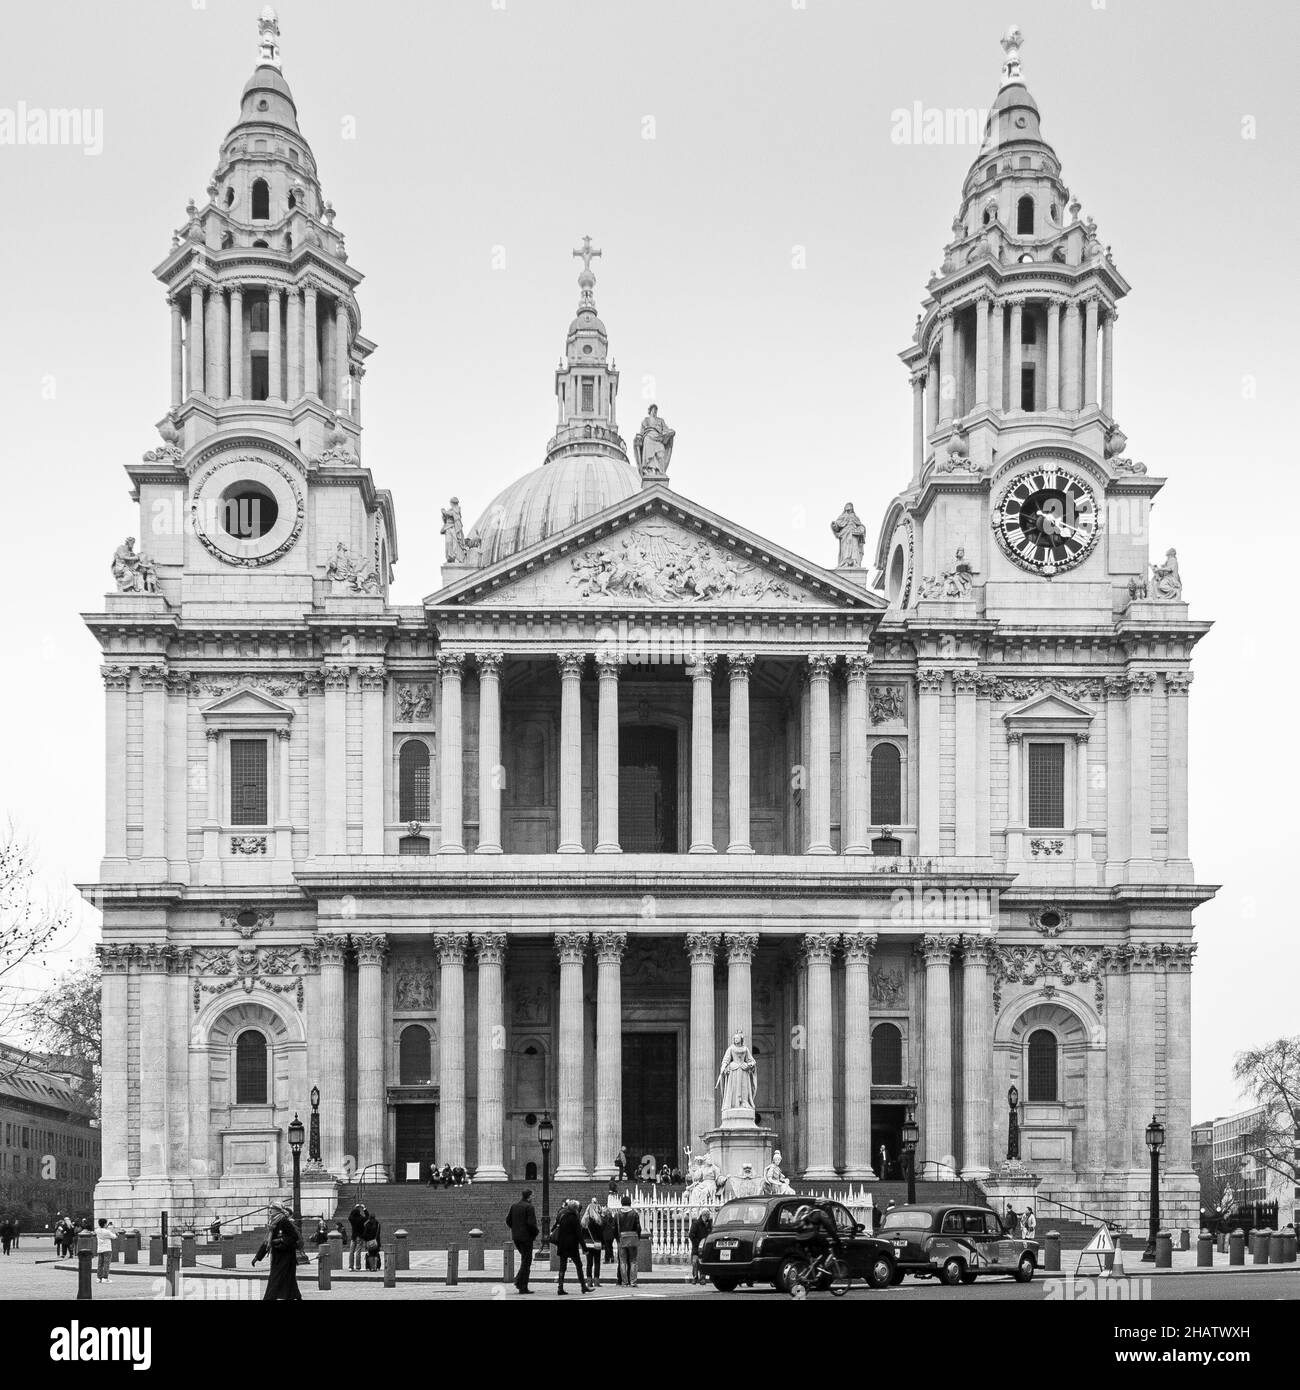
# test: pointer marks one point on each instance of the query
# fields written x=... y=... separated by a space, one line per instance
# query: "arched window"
x=1024 y=216
x=261 y=200
x=886 y=1055
x=293 y=200
x=1040 y=1066
x=886 y=785
x=413 y=781
x=415 y=1056
x=230 y=196
x=250 y=1068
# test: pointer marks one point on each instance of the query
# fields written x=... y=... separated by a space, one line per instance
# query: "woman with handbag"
x=283 y=1244
x=593 y=1240
x=370 y=1234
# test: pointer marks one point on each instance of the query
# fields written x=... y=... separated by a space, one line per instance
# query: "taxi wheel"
x=788 y=1275
x=952 y=1271
x=881 y=1273
x=1025 y=1269
x=896 y=1277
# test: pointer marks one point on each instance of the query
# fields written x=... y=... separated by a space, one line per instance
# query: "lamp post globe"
x=1155 y=1137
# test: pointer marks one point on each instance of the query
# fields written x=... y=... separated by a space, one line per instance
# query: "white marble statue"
x=653 y=445
x=737 y=1076
x=775 y=1183
x=1166 y=582
x=847 y=528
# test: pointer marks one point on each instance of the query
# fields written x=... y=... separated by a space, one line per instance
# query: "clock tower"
x=1021 y=504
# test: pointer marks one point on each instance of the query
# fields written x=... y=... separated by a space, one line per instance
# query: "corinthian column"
x=451 y=757
x=571 y=752
x=918 y=424
x=115 y=962
x=310 y=360
x=819 y=774
x=571 y=947
x=178 y=351
x=930 y=683
x=371 y=949
x=982 y=350
x=738 y=665
x=976 y=1056
x=947 y=369
x=858 y=947
x=489 y=753
x=274 y=346
x=1015 y=353
x=853 y=759
x=1090 y=307
x=937 y=1136
x=451 y=1045
x=609 y=946
x=330 y=1041
x=702 y=755
x=1054 y=353
x=740 y=998
x=607 y=757
x=818 y=951
x=702 y=948
x=491 y=948
x=196 y=337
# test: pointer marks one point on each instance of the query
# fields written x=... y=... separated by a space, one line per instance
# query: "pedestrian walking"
x=370 y=1234
x=1012 y=1222
x=566 y=1234
x=699 y=1230
x=629 y=1240
x=357 y=1223
x=104 y=1249
x=1030 y=1223
x=522 y=1221
x=593 y=1239
x=609 y=1234
x=282 y=1243
x=620 y=1165
x=6 y=1235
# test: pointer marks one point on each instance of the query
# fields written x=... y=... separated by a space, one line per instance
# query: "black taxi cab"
x=956 y=1244
x=755 y=1240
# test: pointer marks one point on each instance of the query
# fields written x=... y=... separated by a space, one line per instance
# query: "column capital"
x=153 y=677
x=965 y=681
x=451 y=947
x=702 y=667
x=977 y=950
x=607 y=666
x=450 y=663
x=1015 y=735
x=702 y=946
x=859 y=945
x=819 y=666
x=571 y=946
x=490 y=947
x=335 y=677
x=741 y=946
x=282 y=734
x=154 y=957
x=1177 y=682
x=489 y=663
x=371 y=677
x=1081 y=736
x=371 y=948
x=857 y=666
x=918 y=377
x=115 y=958
x=571 y=664
x=118 y=678
x=930 y=680
x=274 y=291
x=332 y=949
x=937 y=950
x=817 y=947
x=609 y=945
x=740 y=664
x=1141 y=682
x=1115 y=960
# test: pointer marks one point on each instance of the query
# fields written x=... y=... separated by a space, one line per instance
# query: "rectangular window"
x=1046 y=786
x=1027 y=388
x=588 y=393
x=259 y=387
x=248 y=781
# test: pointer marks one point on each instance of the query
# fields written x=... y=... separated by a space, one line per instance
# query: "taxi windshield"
x=906 y=1221
x=740 y=1214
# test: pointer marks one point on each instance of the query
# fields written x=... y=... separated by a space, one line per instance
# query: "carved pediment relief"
x=247 y=707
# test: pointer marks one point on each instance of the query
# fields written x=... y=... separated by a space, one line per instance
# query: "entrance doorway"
x=414 y=1143
x=650 y=1098
x=887 y=1130
x=647 y=789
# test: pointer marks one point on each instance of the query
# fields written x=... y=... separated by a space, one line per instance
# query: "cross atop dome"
x=268 y=38
x=1011 y=43
x=586 y=276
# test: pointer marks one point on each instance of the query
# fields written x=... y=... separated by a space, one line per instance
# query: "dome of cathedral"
x=549 y=500
x=268 y=78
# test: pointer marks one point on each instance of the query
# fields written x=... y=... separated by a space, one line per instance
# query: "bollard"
x=131 y=1252
x=156 y=1250
x=1164 y=1250
x=335 y=1248
x=475 y=1261
x=644 y=1258
x=1184 y=1239
x=403 y=1249
x=173 y=1266
x=1205 y=1251
x=189 y=1255
x=1259 y=1247
x=508 y=1263
x=1288 y=1247
x=453 y=1264
x=1275 y=1245
x=1052 y=1252
x=323 y=1268
x=1237 y=1247
x=227 y=1252
x=390 y=1268
x=85 y=1258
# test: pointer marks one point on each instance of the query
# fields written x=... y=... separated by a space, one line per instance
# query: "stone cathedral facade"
x=633 y=778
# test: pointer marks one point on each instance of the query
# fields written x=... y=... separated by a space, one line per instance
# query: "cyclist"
x=816 y=1230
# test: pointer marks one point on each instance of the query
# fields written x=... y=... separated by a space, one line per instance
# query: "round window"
x=1050 y=918
x=586 y=347
x=248 y=511
x=264 y=105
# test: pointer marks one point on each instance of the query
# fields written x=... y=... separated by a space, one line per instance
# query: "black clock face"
x=1047 y=520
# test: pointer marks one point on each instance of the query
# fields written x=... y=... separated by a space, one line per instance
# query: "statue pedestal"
x=739 y=1141
x=1011 y=1182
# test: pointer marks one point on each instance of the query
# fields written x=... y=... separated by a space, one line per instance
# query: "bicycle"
x=827 y=1267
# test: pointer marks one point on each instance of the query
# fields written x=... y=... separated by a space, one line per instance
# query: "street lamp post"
x=911 y=1137
x=295 y=1143
x=313 y=1134
x=545 y=1137
x=1155 y=1139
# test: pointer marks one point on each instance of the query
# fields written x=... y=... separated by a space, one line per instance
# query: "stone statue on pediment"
x=1166 y=582
x=847 y=528
x=453 y=532
x=653 y=446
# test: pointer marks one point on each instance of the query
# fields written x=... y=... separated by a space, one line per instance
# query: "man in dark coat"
x=282 y=1244
x=628 y=1221
x=567 y=1235
x=357 y=1223
x=522 y=1220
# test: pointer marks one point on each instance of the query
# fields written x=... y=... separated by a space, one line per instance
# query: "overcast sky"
x=468 y=145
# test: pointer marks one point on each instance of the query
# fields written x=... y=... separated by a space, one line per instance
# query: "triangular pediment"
x=247 y=705
x=1051 y=707
x=657 y=550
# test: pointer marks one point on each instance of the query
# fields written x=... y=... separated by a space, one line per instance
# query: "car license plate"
x=724 y=1254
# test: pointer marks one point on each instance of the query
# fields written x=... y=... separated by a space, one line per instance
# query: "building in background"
x=1234 y=1144
x=49 y=1137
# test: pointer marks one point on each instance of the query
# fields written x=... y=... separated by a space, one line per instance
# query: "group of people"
x=449 y=1175
x=646 y=1170
x=604 y=1232
x=1018 y=1225
x=366 y=1232
x=66 y=1231
x=9 y=1232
